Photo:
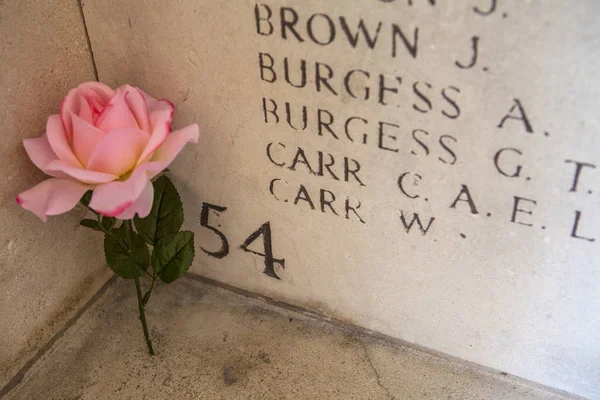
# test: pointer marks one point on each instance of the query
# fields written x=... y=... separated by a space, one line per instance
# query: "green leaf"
x=173 y=255
x=85 y=200
x=124 y=262
x=166 y=216
x=90 y=223
x=108 y=222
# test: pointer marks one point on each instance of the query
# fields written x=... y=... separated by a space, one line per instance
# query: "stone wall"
x=47 y=271
x=472 y=117
x=427 y=170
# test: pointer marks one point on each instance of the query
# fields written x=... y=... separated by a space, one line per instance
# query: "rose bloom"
x=110 y=141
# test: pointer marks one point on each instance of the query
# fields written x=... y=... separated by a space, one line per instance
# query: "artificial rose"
x=110 y=141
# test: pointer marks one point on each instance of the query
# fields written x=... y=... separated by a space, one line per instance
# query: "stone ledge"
x=213 y=343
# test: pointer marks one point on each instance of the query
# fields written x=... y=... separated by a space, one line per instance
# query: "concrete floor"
x=215 y=344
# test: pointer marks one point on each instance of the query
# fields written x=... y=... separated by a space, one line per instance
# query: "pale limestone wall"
x=47 y=271
x=514 y=292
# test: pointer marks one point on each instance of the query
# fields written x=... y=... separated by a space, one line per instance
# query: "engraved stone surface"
x=424 y=169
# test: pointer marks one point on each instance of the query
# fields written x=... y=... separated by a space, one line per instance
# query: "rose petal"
x=173 y=145
x=141 y=206
x=90 y=92
x=59 y=141
x=52 y=196
x=137 y=105
x=85 y=139
x=40 y=153
x=80 y=174
x=116 y=115
x=153 y=103
x=105 y=93
x=118 y=152
x=160 y=113
x=85 y=111
x=69 y=106
x=112 y=199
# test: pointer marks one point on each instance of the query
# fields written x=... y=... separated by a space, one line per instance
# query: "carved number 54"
x=264 y=231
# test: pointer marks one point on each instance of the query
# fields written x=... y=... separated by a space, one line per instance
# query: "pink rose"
x=111 y=142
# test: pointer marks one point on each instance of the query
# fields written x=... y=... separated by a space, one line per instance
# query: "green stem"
x=143 y=315
x=138 y=290
x=149 y=292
